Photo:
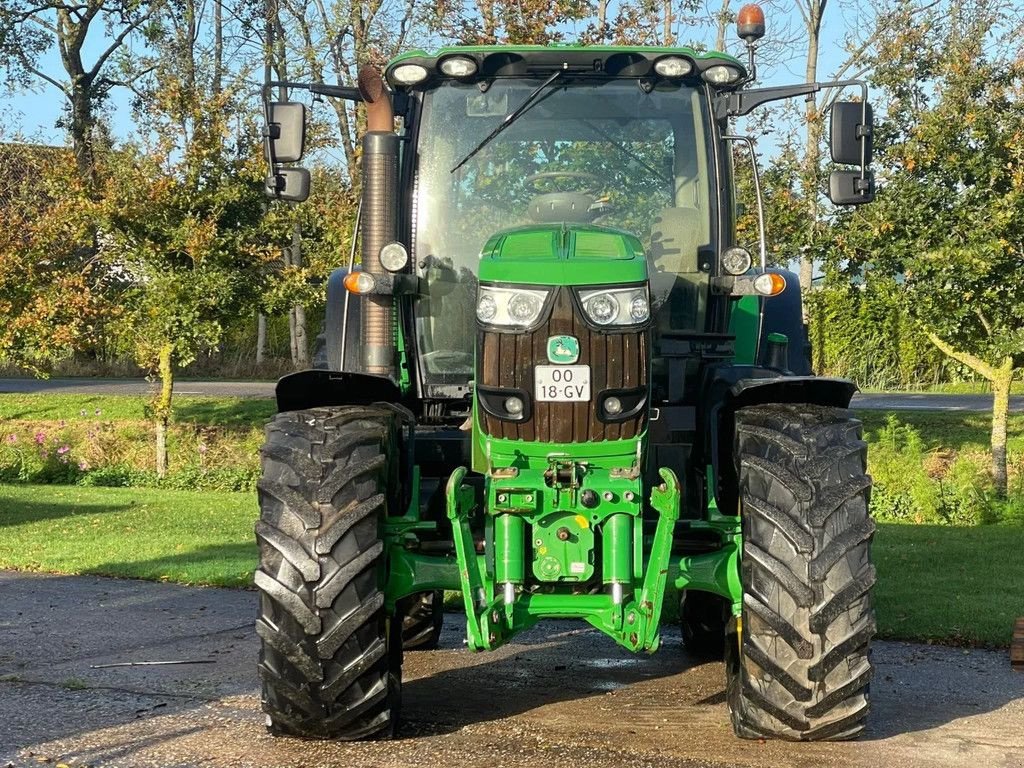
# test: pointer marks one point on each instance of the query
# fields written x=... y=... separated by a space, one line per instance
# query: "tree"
x=949 y=220
x=51 y=298
x=31 y=29
x=182 y=222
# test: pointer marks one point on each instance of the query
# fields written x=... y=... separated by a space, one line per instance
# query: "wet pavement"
x=561 y=694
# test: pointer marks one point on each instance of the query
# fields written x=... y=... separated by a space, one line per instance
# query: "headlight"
x=394 y=257
x=511 y=307
x=673 y=66
x=736 y=260
x=409 y=74
x=616 y=306
x=458 y=66
x=722 y=74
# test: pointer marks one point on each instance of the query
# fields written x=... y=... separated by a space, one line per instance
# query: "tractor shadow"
x=915 y=688
x=557 y=661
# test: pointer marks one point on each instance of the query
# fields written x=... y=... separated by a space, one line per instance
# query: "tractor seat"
x=676 y=278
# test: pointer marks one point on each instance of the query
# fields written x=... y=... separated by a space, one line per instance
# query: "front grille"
x=616 y=360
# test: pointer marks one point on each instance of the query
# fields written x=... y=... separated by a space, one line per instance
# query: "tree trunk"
x=1000 y=415
x=1001 y=378
x=162 y=407
x=82 y=121
x=300 y=342
x=218 y=47
x=301 y=338
x=812 y=155
x=261 y=337
x=667 y=38
x=723 y=23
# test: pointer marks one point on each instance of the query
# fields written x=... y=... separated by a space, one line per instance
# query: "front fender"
x=728 y=388
x=318 y=389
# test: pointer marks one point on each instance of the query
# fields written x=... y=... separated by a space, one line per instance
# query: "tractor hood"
x=563 y=254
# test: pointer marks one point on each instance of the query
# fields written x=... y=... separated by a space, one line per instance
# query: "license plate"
x=562 y=383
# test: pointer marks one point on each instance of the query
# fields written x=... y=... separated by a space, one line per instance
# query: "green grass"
x=937 y=583
x=960 y=585
x=948 y=429
x=207 y=411
x=954 y=388
x=141 y=533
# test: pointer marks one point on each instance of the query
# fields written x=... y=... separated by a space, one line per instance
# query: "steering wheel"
x=592 y=182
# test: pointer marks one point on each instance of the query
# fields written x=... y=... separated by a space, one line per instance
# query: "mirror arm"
x=739 y=103
x=321 y=89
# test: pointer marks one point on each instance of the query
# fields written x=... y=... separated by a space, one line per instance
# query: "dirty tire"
x=330 y=660
x=422 y=618
x=801 y=668
x=702 y=619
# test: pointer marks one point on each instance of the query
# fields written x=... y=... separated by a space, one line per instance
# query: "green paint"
x=618 y=554
x=746 y=314
x=574 y=254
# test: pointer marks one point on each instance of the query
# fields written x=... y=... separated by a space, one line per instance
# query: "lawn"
x=205 y=411
x=141 y=533
x=945 y=584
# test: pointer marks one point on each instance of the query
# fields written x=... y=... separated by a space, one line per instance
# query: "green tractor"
x=557 y=385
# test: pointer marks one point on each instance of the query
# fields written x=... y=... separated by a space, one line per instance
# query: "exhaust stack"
x=379 y=218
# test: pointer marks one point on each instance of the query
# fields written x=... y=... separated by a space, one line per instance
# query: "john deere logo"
x=563 y=350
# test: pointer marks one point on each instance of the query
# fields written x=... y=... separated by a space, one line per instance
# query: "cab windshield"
x=600 y=152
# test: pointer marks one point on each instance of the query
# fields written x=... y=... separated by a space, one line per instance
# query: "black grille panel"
x=616 y=360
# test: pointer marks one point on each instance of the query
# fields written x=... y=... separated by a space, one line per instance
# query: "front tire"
x=798 y=666
x=330 y=658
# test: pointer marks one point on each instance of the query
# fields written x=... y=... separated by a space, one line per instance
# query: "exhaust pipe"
x=379 y=218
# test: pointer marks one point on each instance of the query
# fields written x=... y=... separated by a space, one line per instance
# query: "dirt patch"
x=561 y=694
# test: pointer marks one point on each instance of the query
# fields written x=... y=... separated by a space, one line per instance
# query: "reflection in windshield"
x=603 y=152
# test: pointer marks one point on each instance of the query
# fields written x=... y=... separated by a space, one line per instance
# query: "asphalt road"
x=561 y=694
x=885 y=402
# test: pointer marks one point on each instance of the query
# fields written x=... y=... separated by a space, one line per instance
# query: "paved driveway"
x=560 y=695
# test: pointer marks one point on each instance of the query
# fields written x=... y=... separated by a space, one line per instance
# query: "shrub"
x=903 y=490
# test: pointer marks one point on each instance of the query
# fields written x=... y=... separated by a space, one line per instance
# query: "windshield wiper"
x=511 y=118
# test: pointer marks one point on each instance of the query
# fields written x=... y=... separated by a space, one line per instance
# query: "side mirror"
x=848 y=188
x=291 y=184
x=850 y=132
x=286 y=131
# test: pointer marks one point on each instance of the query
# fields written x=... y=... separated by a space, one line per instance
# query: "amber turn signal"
x=769 y=284
x=359 y=282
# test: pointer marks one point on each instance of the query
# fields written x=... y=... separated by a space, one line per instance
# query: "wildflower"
x=83 y=465
x=40 y=438
x=63 y=449
x=12 y=438
x=202 y=448
x=63 y=459
x=43 y=455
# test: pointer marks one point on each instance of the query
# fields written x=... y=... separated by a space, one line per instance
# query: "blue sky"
x=35 y=113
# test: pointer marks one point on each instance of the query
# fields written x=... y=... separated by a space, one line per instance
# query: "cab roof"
x=523 y=60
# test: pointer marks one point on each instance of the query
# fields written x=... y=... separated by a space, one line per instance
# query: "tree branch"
x=117 y=42
x=971 y=361
x=984 y=322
